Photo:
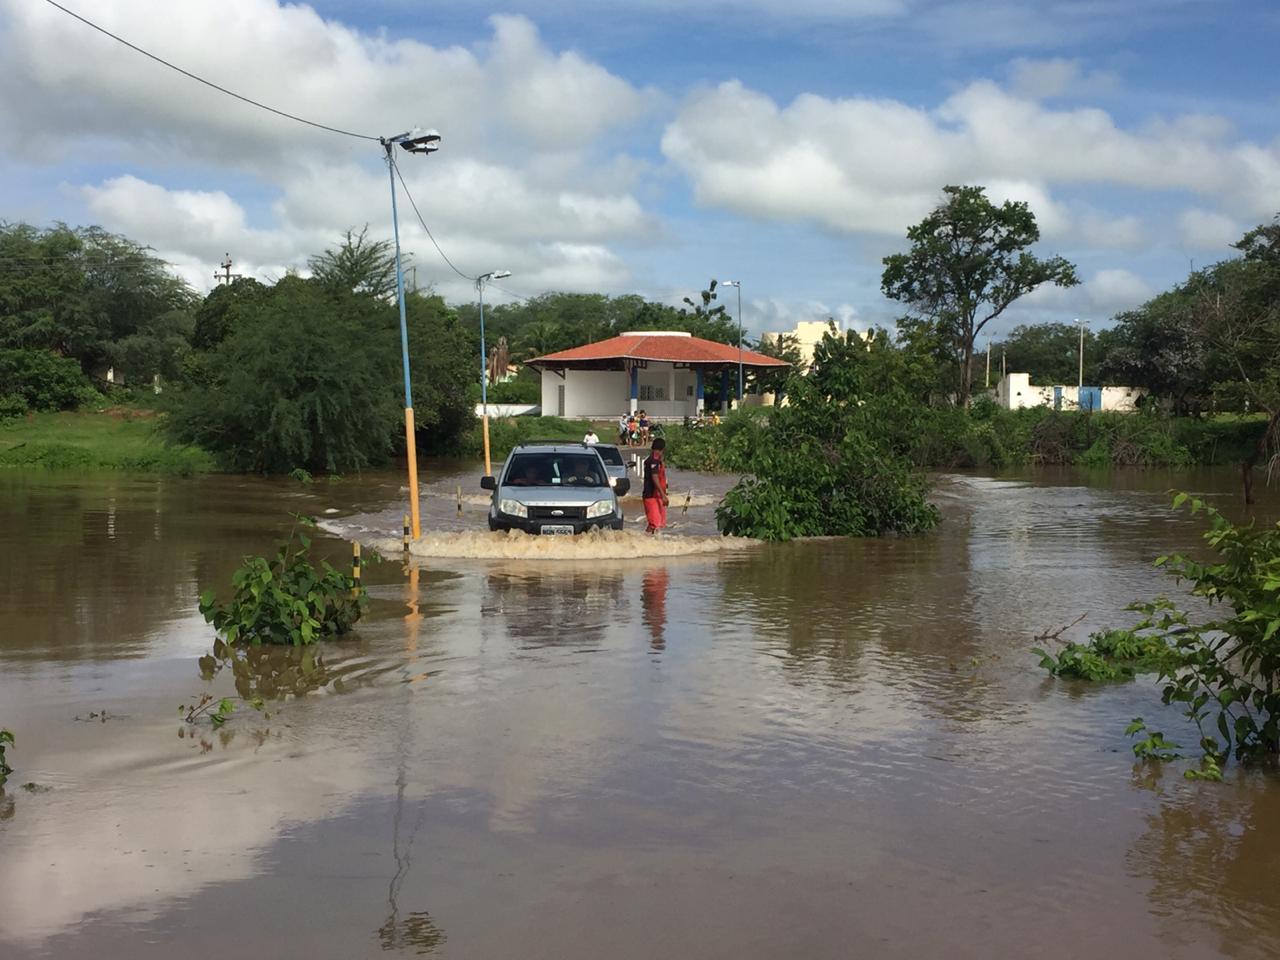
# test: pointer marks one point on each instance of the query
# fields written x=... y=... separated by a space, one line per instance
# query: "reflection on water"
x=781 y=750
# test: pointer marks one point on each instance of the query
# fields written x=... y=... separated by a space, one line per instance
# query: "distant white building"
x=1016 y=392
x=807 y=334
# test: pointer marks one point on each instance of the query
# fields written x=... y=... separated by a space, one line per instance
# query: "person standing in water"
x=655 y=488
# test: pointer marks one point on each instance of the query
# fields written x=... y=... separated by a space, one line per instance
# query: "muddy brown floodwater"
x=822 y=749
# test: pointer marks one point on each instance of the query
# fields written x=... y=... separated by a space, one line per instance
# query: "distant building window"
x=650 y=392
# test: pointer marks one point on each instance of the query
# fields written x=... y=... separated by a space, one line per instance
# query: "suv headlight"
x=601 y=508
x=513 y=508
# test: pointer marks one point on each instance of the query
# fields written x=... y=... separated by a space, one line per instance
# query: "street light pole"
x=1081 y=324
x=738 y=284
x=414 y=141
x=484 y=364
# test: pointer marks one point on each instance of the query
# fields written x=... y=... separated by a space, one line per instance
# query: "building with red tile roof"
x=662 y=372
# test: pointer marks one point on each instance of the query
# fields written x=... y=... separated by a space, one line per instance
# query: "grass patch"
x=119 y=438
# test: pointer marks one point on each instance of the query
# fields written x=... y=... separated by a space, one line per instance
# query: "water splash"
x=593 y=545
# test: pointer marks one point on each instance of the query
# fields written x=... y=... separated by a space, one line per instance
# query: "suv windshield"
x=610 y=455
x=554 y=470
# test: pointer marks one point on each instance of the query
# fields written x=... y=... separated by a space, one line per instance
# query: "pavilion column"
x=635 y=388
x=724 y=391
x=698 y=393
x=671 y=386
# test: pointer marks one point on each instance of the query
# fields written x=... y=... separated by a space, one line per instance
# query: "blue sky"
x=646 y=147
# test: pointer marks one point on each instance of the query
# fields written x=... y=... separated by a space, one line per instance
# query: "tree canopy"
x=1050 y=352
x=835 y=460
x=310 y=382
x=358 y=265
x=92 y=296
x=968 y=261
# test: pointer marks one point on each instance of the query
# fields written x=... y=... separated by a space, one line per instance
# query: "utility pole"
x=226 y=276
x=988 y=363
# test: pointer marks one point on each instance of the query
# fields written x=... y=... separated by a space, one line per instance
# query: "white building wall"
x=1121 y=398
x=1016 y=392
x=665 y=391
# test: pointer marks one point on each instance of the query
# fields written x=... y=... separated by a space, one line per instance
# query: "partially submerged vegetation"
x=6 y=740
x=1223 y=669
x=834 y=460
x=286 y=599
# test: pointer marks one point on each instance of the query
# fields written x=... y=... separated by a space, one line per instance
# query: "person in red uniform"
x=655 y=488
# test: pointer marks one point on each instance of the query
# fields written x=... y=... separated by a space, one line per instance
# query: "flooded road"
x=821 y=749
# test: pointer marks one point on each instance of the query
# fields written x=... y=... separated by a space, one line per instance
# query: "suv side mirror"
x=488 y=483
x=622 y=486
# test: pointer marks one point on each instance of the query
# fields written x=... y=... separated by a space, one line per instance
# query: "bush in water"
x=1224 y=671
x=835 y=460
x=6 y=740
x=285 y=599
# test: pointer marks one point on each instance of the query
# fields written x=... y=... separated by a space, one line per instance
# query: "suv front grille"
x=557 y=513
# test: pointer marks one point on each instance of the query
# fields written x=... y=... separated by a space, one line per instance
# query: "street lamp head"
x=492 y=275
x=731 y=283
x=417 y=140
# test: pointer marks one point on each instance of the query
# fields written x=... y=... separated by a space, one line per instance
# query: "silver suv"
x=554 y=487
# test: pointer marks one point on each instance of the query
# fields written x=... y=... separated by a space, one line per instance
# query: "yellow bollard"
x=459 y=499
x=411 y=451
x=355 y=568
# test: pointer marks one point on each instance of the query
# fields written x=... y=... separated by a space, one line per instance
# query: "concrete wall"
x=1017 y=392
x=664 y=391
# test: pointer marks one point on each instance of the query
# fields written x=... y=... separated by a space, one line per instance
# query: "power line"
x=208 y=83
x=514 y=296
x=395 y=166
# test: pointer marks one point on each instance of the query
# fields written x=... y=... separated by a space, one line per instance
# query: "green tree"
x=1050 y=352
x=967 y=263
x=709 y=322
x=223 y=310
x=784 y=346
x=834 y=460
x=77 y=292
x=443 y=367
x=358 y=265
x=308 y=380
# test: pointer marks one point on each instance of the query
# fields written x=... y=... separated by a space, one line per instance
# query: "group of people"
x=634 y=429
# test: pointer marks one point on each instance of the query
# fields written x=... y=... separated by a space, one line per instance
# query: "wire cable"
x=209 y=83
x=396 y=167
x=513 y=296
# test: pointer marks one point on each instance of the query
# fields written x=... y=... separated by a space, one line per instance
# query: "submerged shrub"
x=836 y=460
x=6 y=740
x=286 y=599
x=1222 y=670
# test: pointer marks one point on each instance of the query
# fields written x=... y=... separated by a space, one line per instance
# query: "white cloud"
x=876 y=166
x=521 y=181
x=1206 y=230
x=1099 y=297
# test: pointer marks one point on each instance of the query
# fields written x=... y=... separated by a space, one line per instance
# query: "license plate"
x=557 y=528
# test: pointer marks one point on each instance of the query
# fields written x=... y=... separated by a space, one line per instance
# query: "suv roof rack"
x=552 y=443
